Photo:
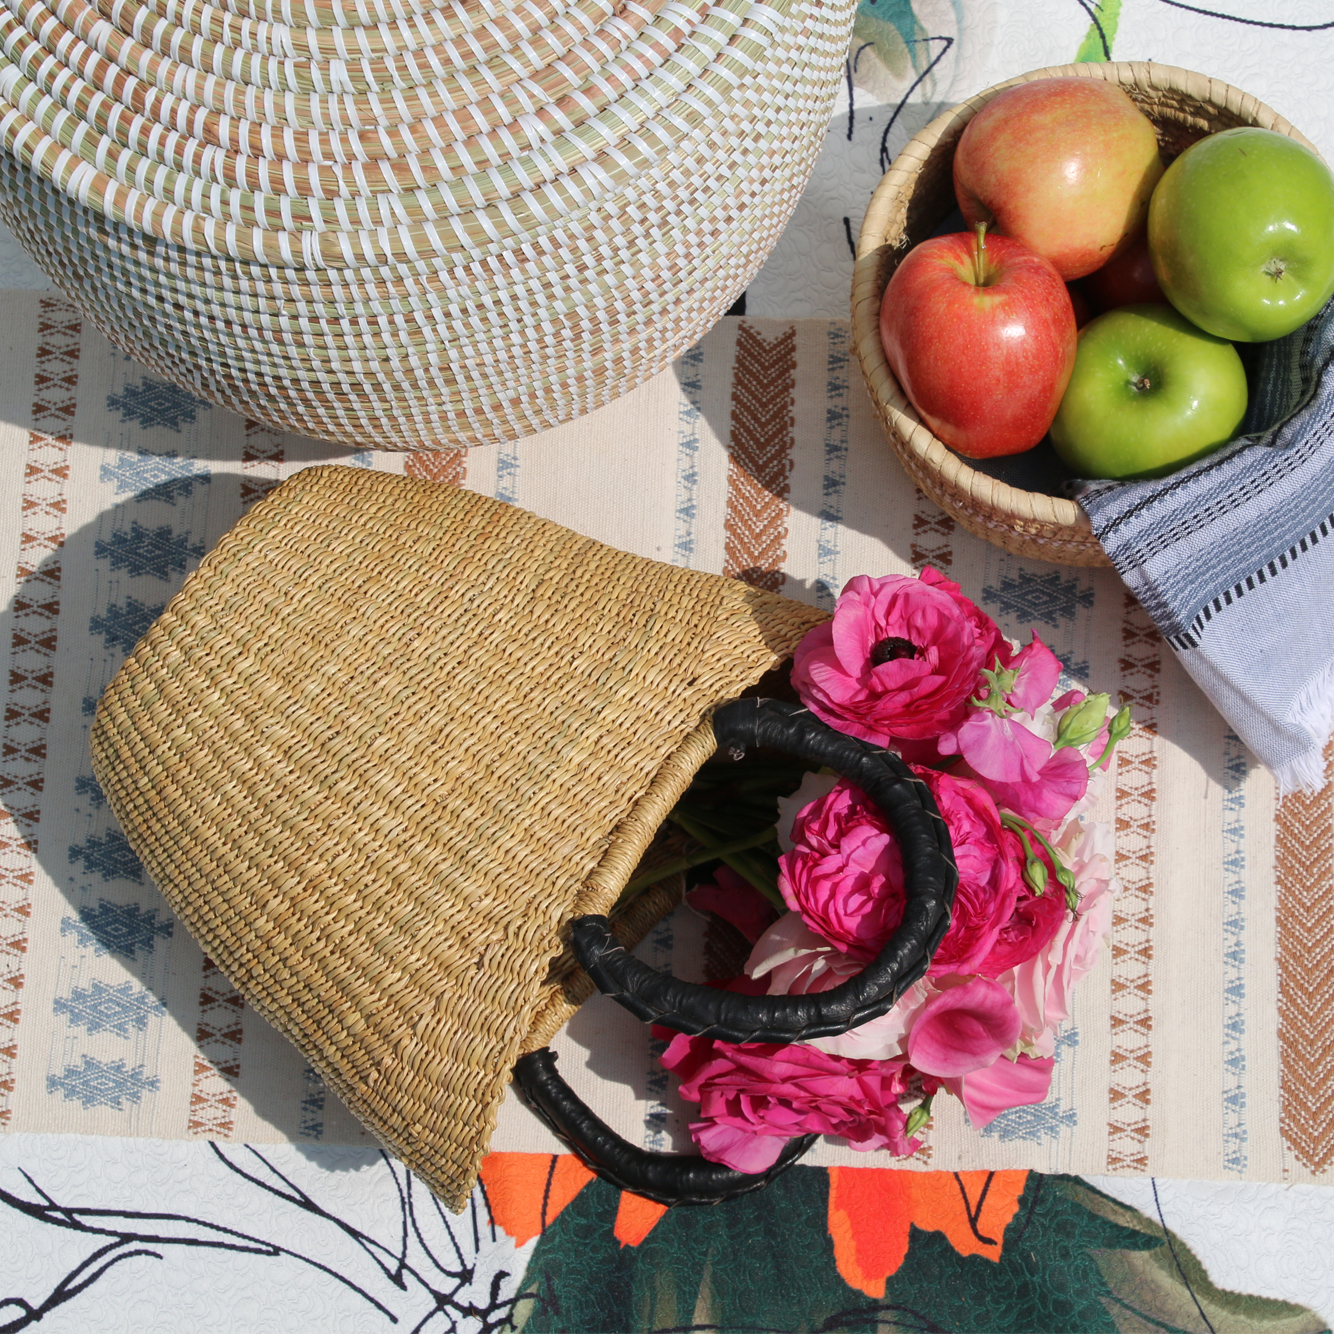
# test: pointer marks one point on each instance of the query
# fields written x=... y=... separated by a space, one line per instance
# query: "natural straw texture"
x=908 y=205
x=417 y=226
x=388 y=740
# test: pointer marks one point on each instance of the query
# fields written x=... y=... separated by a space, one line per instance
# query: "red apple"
x=1064 y=165
x=981 y=335
x=1126 y=279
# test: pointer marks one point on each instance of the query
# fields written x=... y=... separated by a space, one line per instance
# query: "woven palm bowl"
x=409 y=225
x=909 y=204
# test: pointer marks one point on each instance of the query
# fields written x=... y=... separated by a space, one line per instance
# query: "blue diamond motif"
x=117 y=928
x=124 y=625
x=99 y=1008
x=102 y=1083
x=1045 y=597
x=156 y=403
x=152 y=476
x=152 y=551
x=1046 y=1120
x=110 y=856
x=85 y=785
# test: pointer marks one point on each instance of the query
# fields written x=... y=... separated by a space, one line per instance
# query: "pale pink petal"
x=1038 y=669
x=988 y=1092
x=737 y=1149
x=964 y=1029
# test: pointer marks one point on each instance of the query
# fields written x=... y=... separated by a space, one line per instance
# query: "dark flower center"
x=891 y=650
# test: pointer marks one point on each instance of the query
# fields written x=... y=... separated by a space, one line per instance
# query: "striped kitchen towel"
x=1232 y=560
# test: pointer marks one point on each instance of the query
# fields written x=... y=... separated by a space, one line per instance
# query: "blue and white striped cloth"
x=1234 y=558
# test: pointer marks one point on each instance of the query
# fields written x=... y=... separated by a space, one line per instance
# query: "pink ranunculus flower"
x=900 y=658
x=1034 y=921
x=844 y=874
x=1003 y=1084
x=964 y=1028
x=755 y=1096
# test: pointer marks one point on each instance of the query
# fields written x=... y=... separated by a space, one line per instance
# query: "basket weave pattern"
x=389 y=739
x=912 y=198
x=448 y=226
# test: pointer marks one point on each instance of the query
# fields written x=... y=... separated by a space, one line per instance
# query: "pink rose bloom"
x=1034 y=921
x=994 y=1089
x=964 y=1029
x=753 y=1097
x=844 y=874
x=900 y=658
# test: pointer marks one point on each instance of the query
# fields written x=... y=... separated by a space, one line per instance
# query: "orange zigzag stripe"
x=759 y=469
x=1304 y=861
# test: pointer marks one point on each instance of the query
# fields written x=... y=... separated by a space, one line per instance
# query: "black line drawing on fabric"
x=425 y=1274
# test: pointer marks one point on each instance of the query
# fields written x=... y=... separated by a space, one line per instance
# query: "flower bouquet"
x=1014 y=763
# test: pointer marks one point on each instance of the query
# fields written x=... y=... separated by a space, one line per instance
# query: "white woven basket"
x=444 y=227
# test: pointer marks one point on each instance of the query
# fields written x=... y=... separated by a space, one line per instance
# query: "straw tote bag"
x=393 y=752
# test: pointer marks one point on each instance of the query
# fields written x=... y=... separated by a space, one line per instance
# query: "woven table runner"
x=1201 y=1047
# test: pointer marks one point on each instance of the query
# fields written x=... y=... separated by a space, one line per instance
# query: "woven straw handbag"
x=908 y=205
x=410 y=224
x=393 y=752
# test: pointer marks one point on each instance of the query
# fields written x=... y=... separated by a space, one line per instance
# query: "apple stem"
x=980 y=266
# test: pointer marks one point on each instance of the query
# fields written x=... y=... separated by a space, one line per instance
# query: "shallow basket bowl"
x=913 y=196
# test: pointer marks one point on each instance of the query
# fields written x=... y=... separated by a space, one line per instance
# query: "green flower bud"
x=1118 y=729
x=917 y=1118
x=1035 y=874
x=1081 y=724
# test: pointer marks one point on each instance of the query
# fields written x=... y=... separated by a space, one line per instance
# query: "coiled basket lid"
x=409 y=224
x=914 y=195
x=387 y=741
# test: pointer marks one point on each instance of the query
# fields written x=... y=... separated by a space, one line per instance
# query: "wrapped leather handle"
x=930 y=879
x=665 y=1178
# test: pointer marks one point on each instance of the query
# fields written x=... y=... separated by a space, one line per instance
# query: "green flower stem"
x=694 y=859
x=1063 y=873
x=743 y=864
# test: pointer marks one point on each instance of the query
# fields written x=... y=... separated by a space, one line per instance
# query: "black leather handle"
x=666 y=1178
x=930 y=879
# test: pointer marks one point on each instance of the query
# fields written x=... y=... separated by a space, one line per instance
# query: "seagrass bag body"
x=386 y=743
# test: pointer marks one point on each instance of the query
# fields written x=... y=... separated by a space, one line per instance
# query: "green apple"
x=1241 y=230
x=1149 y=393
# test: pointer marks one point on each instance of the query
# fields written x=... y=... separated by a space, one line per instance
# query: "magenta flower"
x=844 y=874
x=964 y=1029
x=754 y=1097
x=901 y=658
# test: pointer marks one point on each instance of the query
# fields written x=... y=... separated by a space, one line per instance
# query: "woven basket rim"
x=1008 y=504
